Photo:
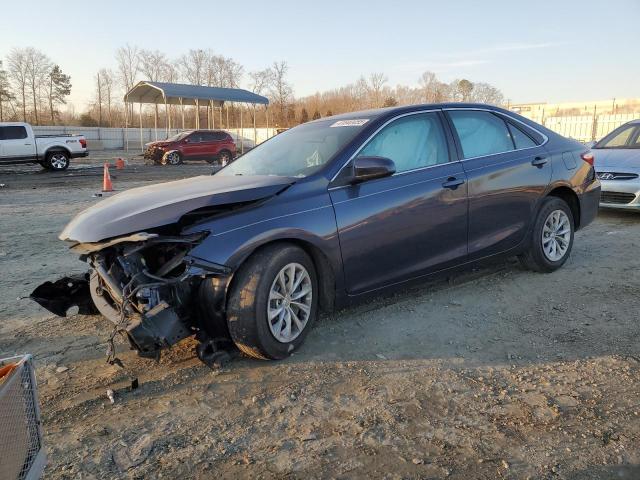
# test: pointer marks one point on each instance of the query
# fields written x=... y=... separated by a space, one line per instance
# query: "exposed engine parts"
x=144 y=285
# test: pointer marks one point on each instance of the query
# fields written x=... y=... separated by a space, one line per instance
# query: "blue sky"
x=533 y=51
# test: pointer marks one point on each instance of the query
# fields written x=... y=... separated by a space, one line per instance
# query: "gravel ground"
x=496 y=372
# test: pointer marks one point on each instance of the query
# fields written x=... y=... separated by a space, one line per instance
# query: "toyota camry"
x=324 y=214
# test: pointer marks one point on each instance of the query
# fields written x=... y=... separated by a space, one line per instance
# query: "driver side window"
x=412 y=142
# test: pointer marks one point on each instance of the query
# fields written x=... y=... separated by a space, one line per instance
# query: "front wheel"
x=224 y=158
x=273 y=302
x=57 y=161
x=172 y=158
x=551 y=237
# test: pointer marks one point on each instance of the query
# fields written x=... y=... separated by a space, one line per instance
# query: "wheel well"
x=570 y=197
x=325 y=273
x=57 y=150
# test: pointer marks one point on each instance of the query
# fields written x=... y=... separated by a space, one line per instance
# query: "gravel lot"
x=493 y=373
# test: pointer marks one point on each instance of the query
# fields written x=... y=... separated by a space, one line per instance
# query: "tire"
x=249 y=299
x=225 y=158
x=172 y=157
x=554 y=216
x=57 y=161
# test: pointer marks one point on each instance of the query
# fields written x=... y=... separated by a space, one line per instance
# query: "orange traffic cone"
x=106 y=182
x=119 y=163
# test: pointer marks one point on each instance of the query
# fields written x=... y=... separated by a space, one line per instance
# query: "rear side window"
x=13 y=133
x=219 y=136
x=520 y=139
x=414 y=141
x=481 y=133
x=621 y=139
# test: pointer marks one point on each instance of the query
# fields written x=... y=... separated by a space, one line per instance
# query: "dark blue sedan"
x=325 y=213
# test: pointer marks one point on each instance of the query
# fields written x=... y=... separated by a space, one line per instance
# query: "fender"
x=53 y=149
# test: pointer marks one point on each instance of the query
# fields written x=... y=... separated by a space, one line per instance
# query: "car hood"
x=162 y=204
x=620 y=159
x=158 y=143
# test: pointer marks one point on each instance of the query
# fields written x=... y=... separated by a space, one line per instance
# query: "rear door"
x=15 y=143
x=210 y=144
x=411 y=223
x=507 y=172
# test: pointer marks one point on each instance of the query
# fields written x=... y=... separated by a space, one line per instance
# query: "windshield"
x=177 y=136
x=298 y=152
x=627 y=137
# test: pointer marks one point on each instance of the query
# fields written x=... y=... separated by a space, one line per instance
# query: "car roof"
x=391 y=111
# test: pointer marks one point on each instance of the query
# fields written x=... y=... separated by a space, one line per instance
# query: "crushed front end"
x=146 y=284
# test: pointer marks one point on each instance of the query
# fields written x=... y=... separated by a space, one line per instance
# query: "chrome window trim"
x=364 y=144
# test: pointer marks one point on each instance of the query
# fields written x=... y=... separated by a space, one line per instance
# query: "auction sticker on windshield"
x=350 y=123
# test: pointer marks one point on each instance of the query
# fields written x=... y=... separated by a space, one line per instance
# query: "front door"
x=16 y=144
x=411 y=223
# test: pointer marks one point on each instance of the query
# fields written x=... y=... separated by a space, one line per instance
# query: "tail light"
x=83 y=143
x=588 y=157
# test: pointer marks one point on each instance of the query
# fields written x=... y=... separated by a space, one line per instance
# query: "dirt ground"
x=494 y=373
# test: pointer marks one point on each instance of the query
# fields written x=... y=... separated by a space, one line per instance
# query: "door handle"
x=27 y=144
x=539 y=161
x=453 y=183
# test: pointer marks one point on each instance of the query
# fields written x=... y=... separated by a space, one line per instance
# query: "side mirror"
x=186 y=140
x=368 y=168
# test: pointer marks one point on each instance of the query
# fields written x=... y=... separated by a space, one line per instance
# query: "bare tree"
x=281 y=90
x=106 y=77
x=99 y=97
x=128 y=59
x=59 y=88
x=38 y=67
x=260 y=80
x=375 y=87
x=194 y=66
x=18 y=72
x=429 y=84
x=485 y=93
x=5 y=91
x=153 y=65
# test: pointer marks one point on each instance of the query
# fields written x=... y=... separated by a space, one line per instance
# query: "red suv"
x=210 y=145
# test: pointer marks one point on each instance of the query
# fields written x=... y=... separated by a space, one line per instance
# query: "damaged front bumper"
x=147 y=285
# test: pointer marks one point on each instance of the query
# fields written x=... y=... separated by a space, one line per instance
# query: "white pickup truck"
x=18 y=144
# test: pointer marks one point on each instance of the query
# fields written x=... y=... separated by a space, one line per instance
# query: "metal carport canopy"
x=182 y=94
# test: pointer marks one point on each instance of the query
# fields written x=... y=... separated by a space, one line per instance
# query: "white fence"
x=586 y=128
x=99 y=138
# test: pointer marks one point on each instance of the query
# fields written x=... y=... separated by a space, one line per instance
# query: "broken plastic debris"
x=111 y=396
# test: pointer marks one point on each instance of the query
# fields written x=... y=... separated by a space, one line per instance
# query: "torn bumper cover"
x=145 y=284
x=59 y=296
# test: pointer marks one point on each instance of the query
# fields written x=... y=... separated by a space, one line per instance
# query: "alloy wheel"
x=290 y=300
x=556 y=235
x=173 y=158
x=58 y=161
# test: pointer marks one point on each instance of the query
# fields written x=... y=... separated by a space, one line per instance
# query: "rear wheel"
x=224 y=158
x=551 y=237
x=273 y=302
x=57 y=161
